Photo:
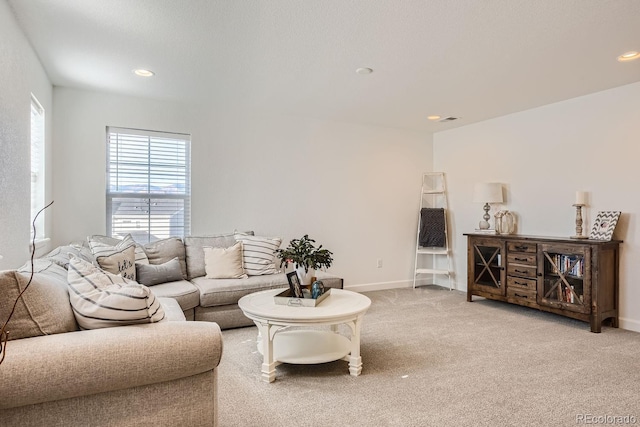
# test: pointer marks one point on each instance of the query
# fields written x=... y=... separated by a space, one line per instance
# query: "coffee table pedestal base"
x=306 y=346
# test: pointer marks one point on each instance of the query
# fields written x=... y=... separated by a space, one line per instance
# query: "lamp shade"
x=487 y=192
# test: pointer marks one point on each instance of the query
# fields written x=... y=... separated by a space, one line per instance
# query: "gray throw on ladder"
x=432 y=228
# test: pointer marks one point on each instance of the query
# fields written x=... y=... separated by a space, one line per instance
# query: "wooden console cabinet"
x=571 y=277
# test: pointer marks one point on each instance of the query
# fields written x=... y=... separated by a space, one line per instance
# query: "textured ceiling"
x=473 y=59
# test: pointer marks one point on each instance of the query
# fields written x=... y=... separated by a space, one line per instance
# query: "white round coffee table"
x=301 y=346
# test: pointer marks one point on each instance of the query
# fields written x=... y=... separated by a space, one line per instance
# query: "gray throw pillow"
x=164 y=250
x=154 y=274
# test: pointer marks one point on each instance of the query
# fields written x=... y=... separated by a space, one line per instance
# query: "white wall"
x=543 y=156
x=353 y=188
x=20 y=75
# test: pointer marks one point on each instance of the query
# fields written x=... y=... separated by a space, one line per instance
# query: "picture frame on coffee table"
x=294 y=285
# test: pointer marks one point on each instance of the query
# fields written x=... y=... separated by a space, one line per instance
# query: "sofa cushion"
x=195 y=254
x=258 y=254
x=226 y=316
x=154 y=274
x=101 y=299
x=100 y=244
x=164 y=250
x=224 y=263
x=122 y=262
x=43 y=309
x=172 y=310
x=214 y=292
x=186 y=293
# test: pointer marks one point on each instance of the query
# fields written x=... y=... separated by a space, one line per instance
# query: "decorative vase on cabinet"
x=505 y=222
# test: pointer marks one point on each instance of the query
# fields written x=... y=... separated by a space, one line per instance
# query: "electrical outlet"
x=379 y=263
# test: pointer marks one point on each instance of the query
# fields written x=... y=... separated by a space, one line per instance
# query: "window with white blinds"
x=148 y=184
x=37 y=166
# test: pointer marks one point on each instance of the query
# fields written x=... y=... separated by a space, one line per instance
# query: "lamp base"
x=484 y=224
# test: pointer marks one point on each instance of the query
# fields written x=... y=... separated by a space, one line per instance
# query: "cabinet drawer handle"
x=520 y=259
x=517 y=295
x=521 y=248
x=520 y=271
x=520 y=283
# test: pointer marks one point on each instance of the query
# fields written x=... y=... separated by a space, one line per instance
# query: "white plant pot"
x=305 y=278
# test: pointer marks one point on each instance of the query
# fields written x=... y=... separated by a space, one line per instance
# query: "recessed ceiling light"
x=364 y=70
x=433 y=117
x=629 y=56
x=143 y=73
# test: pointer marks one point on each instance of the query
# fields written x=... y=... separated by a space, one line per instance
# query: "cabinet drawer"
x=522 y=247
x=522 y=270
x=522 y=258
x=520 y=283
x=522 y=294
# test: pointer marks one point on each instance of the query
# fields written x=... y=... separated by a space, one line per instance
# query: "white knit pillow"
x=101 y=299
x=224 y=263
x=258 y=254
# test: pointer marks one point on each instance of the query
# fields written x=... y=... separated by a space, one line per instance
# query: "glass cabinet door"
x=566 y=276
x=487 y=260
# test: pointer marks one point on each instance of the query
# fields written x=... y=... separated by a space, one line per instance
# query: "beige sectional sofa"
x=139 y=375
x=149 y=374
x=214 y=300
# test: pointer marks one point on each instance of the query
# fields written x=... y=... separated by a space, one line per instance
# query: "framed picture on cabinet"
x=604 y=225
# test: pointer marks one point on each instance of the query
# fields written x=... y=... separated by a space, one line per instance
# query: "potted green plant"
x=305 y=257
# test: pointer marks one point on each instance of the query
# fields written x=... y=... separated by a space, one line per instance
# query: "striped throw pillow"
x=115 y=256
x=102 y=300
x=258 y=254
x=104 y=245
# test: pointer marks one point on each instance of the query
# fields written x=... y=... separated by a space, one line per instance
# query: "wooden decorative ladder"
x=433 y=195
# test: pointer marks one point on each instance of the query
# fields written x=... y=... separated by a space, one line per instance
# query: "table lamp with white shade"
x=487 y=192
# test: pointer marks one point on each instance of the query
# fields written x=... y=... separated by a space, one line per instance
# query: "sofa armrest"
x=61 y=366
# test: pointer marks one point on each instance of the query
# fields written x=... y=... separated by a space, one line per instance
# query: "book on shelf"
x=569 y=264
x=485 y=231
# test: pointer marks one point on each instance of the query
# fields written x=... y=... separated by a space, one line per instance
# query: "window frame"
x=37 y=158
x=151 y=136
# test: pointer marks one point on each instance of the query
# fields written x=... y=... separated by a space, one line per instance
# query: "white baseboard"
x=625 y=323
x=629 y=324
x=398 y=284
x=380 y=286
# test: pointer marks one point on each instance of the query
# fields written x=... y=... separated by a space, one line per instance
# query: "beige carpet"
x=433 y=359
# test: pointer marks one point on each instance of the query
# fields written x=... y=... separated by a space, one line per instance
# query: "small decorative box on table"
x=285 y=298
